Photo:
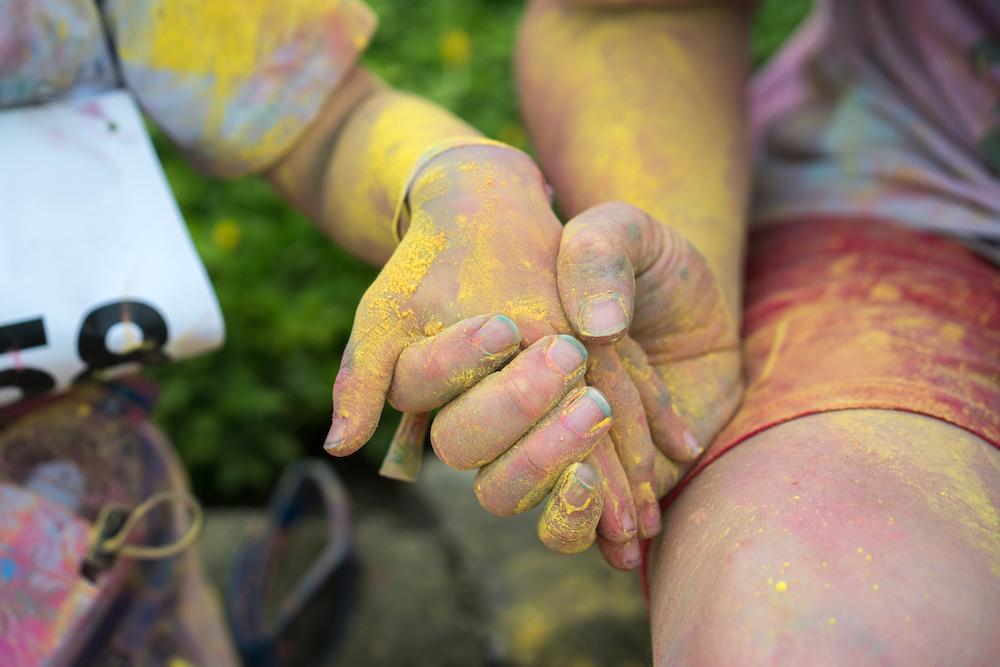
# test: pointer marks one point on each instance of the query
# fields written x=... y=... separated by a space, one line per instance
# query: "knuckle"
x=435 y=363
x=535 y=466
x=526 y=399
x=593 y=244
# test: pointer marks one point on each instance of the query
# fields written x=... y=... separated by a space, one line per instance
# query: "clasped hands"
x=481 y=312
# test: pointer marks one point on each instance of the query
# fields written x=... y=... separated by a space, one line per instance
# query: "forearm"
x=644 y=106
x=351 y=167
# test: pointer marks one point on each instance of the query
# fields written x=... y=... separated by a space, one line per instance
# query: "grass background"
x=239 y=415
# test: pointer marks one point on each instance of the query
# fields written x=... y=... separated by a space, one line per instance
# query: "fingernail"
x=627 y=523
x=633 y=556
x=651 y=522
x=498 y=334
x=566 y=354
x=602 y=316
x=692 y=444
x=586 y=412
x=335 y=437
x=580 y=491
x=587 y=475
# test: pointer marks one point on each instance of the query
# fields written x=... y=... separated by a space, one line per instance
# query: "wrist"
x=462 y=161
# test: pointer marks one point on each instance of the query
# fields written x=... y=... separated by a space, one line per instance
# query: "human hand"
x=654 y=319
x=483 y=240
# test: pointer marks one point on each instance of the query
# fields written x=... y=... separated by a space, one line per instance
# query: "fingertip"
x=621 y=528
x=650 y=522
x=588 y=414
x=694 y=449
x=623 y=557
x=585 y=474
x=565 y=354
x=334 y=443
x=580 y=486
x=627 y=523
x=569 y=522
x=498 y=335
x=335 y=436
x=603 y=317
x=633 y=555
x=647 y=509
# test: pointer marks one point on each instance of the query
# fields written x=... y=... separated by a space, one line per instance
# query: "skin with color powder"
x=444 y=284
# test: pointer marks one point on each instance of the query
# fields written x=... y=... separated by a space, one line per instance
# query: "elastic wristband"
x=436 y=149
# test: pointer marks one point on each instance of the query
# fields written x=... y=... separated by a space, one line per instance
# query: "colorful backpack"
x=97 y=566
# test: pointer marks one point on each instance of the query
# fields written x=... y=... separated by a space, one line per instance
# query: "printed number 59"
x=112 y=334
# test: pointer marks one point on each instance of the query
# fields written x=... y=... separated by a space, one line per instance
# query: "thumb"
x=620 y=270
x=601 y=252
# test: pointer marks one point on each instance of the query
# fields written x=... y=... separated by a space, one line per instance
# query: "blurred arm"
x=349 y=169
x=644 y=105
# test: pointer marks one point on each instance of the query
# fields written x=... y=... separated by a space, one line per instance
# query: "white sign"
x=97 y=270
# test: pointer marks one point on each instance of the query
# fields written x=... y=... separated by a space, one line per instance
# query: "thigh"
x=862 y=537
x=848 y=514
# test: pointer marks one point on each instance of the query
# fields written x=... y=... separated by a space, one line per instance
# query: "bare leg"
x=857 y=537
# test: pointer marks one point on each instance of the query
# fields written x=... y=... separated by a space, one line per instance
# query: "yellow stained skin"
x=464 y=206
x=568 y=525
x=349 y=172
x=243 y=37
x=482 y=228
x=646 y=106
x=952 y=485
x=351 y=187
x=631 y=437
x=897 y=507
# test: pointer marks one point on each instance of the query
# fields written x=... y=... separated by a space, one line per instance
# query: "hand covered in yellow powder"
x=672 y=382
x=620 y=271
x=472 y=283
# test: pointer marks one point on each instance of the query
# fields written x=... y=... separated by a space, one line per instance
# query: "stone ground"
x=444 y=583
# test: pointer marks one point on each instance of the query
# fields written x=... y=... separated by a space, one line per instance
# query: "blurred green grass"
x=239 y=415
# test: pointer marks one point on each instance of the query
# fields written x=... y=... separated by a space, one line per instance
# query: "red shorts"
x=864 y=313
x=846 y=314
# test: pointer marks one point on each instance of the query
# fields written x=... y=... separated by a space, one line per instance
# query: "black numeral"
x=31 y=381
x=93 y=333
x=22 y=335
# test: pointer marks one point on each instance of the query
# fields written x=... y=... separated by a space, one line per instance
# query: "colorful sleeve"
x=235 y=82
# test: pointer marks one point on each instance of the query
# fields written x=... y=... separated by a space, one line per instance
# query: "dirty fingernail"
x=586 y=412
x=498 y=334
x=581 y=485
x=651 y=522
x=692 y=444
x=627 y=523
x=633 y=556
x=335 y=437
x=566 y=354
x=602 y=316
